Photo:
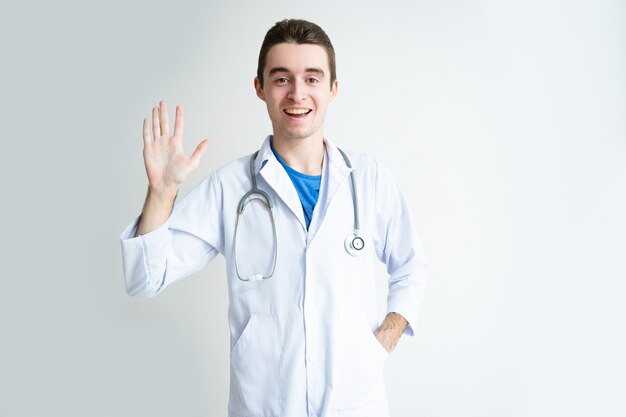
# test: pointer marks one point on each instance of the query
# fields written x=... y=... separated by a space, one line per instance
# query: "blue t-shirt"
x=307 y=186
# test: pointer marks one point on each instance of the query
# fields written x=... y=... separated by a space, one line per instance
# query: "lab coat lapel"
x=276 y=177
x=334 y=173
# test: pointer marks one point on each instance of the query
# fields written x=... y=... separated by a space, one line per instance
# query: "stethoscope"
x=353 y=243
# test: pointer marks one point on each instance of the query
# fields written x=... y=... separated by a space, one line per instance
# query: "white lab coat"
x=302 y=341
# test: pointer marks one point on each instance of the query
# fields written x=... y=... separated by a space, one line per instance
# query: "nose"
x=296 y=93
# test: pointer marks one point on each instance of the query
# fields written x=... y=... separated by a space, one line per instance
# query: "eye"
x=281 y=80
x=312 y=80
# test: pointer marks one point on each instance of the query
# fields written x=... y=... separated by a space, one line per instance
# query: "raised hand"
x=166 y=163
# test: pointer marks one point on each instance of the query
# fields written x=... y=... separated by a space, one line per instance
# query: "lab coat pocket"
x=255 y=368
x=359 y=379
x=379 y=347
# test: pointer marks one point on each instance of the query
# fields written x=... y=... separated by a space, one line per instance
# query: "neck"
x=303 y=155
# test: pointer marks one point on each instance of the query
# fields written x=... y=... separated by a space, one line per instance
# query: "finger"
x=198 y=152
x=146 y=132
x=165 y=119
x=156 y=128
x=179 y=122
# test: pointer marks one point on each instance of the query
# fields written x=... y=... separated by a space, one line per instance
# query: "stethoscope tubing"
x=354 y=244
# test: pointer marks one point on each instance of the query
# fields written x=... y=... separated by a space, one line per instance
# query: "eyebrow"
x=317 y=71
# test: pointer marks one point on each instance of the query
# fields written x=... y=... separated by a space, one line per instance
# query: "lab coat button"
x=309 y=304
x=311 y=357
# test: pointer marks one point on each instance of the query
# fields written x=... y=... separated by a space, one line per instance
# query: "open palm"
x=166 y=163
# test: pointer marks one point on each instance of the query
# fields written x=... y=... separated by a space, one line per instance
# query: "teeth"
x=296 y=111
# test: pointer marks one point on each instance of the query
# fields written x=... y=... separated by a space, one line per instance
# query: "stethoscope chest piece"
x=354 y=244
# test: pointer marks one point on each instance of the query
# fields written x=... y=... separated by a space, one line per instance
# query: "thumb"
x=198 y=152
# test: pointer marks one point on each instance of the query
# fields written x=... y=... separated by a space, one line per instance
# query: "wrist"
x=391 y=330
x=394 y=324
x=162 y=194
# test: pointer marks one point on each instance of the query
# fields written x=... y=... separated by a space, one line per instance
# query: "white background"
x=503 y=121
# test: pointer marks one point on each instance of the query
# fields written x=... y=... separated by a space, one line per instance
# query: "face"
x=296 y=90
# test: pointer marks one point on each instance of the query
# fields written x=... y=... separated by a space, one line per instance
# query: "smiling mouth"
x=297 y=112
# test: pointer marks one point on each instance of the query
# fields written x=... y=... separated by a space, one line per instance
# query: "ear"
x=334 y=88
x=259 y=90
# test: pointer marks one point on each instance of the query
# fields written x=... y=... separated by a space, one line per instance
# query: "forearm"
x=390 y=330
x=157 y=209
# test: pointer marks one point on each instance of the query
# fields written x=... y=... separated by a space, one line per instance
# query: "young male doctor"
x=305 y=336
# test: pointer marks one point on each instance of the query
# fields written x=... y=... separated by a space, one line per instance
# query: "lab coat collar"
x=337 y=165
x=334 y=172
x=265 y=154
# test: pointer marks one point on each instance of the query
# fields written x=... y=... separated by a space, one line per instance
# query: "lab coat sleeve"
x=399 y=247
x=190 y=238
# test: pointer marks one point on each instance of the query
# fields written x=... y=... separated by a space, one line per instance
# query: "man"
x=305 y=336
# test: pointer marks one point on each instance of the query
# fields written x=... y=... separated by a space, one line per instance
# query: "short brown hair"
x=299 y=32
